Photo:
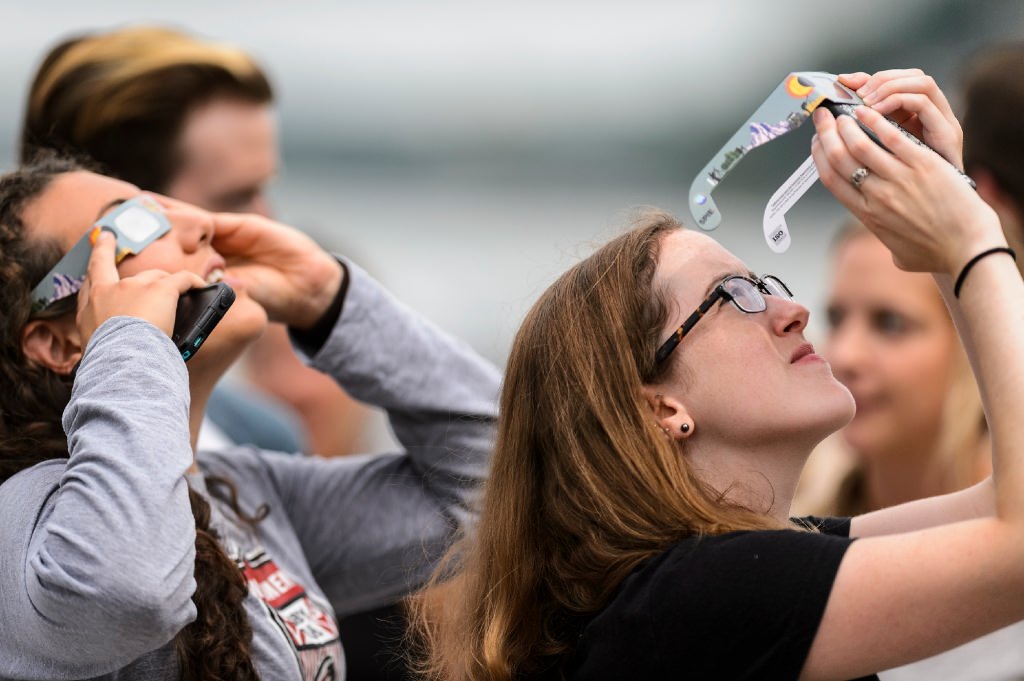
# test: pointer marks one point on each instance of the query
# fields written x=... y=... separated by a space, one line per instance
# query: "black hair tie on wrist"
x=973 y=261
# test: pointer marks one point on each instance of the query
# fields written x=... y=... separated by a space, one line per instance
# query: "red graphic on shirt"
x=307 y=622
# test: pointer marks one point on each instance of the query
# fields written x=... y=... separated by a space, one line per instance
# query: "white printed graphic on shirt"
x=306 y=620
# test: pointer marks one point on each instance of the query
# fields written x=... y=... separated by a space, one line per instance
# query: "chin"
x=836 y=411
x=246 y=319
x=848 y=410
x=243 y=323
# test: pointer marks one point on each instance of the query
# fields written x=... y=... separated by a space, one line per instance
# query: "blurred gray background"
x=468 y=152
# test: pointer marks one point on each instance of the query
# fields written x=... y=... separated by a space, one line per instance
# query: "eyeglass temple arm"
x=668 y=346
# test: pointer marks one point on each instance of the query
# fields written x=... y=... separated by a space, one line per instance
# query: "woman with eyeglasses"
x=126 y=554
x=658 y=406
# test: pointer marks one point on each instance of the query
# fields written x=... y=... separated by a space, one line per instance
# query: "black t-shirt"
x=738 y=606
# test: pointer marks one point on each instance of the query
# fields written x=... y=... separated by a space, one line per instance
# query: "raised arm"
x=914 y=100
x=97 y=552
x=371 y=527
x=904 y=597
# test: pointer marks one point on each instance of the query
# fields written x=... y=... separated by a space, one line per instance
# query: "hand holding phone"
x=199 y=311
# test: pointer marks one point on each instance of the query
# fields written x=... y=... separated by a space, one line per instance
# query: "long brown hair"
x=584 y=485
x=216 y=646
x=122 y=97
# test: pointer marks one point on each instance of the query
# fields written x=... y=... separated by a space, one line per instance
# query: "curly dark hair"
x=216 y=646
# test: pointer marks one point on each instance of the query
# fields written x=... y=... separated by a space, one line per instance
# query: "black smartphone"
x=199 y=311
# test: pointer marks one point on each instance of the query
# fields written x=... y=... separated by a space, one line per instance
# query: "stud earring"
x=685 y=428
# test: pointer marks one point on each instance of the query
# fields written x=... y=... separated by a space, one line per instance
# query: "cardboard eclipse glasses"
x=785 y=109
x=136 y=223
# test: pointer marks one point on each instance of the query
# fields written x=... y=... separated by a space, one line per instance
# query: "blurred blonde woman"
x=919 y=430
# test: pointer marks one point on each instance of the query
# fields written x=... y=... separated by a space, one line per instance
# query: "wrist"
x=310 y=339
x=979 y=233
x=969 y=265
x=324 y=296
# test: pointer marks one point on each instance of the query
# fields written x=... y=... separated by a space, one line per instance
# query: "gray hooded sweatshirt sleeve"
x=371 y=527
x=96 y=551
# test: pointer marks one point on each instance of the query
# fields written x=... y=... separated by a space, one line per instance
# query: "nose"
x=787 y=316
x=194 y=228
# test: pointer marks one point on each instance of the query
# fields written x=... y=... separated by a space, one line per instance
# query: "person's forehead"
x=861 y=254
x=72 y=203
x=864 y=269
x=690 y=262
x=228 y=135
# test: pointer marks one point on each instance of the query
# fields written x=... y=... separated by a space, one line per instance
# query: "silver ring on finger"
x=858 y=176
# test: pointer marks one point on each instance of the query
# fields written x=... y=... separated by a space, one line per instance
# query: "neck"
x=762 y=478
x=201 y=381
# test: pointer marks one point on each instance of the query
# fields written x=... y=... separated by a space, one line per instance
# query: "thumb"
x=102 y=266
x=855 y=80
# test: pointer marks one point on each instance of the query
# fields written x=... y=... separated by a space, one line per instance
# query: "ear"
x=670 y=413
x=53 y=343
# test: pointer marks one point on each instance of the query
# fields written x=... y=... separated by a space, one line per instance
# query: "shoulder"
x=261 y=476
x=232 y=461
x=29 y=489
x=731 y=569
x=26 y=501
x=765 y=591
x=838 y=526
x=244 y=467
x=252 y=465
x=759 y=594
x=713 y=575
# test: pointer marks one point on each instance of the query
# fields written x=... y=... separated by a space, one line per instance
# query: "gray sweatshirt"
x=97 y=551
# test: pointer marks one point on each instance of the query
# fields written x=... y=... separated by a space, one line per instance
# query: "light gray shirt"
x=97 y=551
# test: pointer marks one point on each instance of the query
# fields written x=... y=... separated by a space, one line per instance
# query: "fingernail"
x=870 y=98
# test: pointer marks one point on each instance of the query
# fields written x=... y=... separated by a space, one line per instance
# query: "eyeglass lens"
x=747 y=295
x=776 y=287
